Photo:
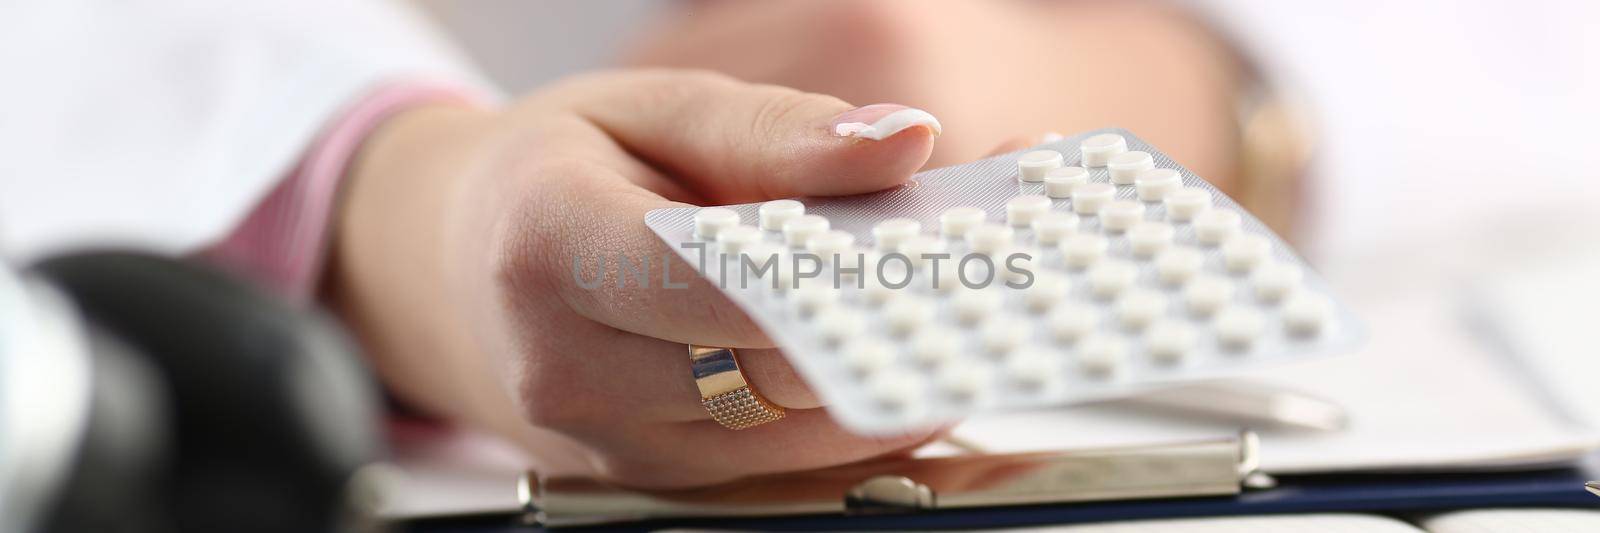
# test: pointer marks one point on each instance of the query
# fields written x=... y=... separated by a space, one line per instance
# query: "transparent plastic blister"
x=1139 y=273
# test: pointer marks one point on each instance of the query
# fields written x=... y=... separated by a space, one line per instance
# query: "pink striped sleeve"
x=283 y=242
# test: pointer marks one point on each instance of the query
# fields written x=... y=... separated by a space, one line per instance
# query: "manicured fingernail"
x=881 y=121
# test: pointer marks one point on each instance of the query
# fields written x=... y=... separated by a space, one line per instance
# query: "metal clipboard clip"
x=1213 y=467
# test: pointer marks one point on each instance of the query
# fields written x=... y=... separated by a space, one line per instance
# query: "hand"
x=454 y=253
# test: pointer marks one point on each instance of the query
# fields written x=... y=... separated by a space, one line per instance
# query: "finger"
x=740 y=142
x=636 y=376
x=699 y=453
x=591 y=253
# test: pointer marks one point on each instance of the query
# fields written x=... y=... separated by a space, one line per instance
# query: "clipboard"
x=1220 y=480
x=1194 y=469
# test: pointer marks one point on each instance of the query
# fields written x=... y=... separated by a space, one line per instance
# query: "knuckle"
x=778 y=107
x=772 y=121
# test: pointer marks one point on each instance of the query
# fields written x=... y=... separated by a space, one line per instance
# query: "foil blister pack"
x=1091 y=267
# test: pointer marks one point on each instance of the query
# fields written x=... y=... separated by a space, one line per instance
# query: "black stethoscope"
x=146 y=394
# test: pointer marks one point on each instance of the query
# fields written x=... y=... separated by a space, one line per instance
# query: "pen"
x=1593 y=487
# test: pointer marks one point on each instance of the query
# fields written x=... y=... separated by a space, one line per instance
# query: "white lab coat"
x=160 y=124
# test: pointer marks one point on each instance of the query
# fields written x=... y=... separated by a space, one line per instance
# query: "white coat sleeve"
x=159 y=124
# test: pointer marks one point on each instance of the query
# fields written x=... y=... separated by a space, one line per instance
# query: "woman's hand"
x=454 y=262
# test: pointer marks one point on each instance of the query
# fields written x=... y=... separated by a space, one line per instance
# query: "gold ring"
x=724 y=391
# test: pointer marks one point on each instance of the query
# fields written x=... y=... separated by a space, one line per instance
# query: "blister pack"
x=1086 y=268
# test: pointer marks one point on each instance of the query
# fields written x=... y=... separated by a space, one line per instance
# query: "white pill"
x=1137 y=308
x=1237 y=327
x=1033 y=370
x=919 y=246
x=1176 y=265
x=1243 y=252
x=1118 y=215
x=947 y=279
x=735 y=239
x=836 y=325
x=1101 y=355
x=1058 y=183
x=1203 y=295
x=1110 y=277
x=990 y=238
x=709 y=220
x=935 y=347
x=1021 y=211
x=798 y=230
x=868 y=355
x=830 y=243
x=1126 y=166
x=876 y=294
x=1050 y=227
x=1071 y=321
x=897 y=391
x=1306 y=313
x=853 y=259
x=780 y=274
x=811 y=298
x=1153 y=185
x=1046 y=291
x=764 y=259
x=1097 y=150
x=1169 y=341
x=1083 y=249
x=1274 y=279
x=955 y=221
x=973 y=306
x=1149 y=238
x=1033 y=165
x=1000 y=335
x=1217 y=225
x=1019 y=263
x=773 y=214
x=964 y=382
x=1186 y=202
x=1087 y=198
x=890 y=233
x=906 y=315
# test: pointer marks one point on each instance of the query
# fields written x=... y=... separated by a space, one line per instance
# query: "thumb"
x=733 y=142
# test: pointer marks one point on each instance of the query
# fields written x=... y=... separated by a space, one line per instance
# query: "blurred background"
x=1418 y=116
x=1435 y=159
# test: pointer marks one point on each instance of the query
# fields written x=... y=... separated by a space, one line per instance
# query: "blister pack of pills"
x=1086 y=268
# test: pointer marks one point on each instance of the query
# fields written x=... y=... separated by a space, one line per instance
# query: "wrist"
x=395 y=255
